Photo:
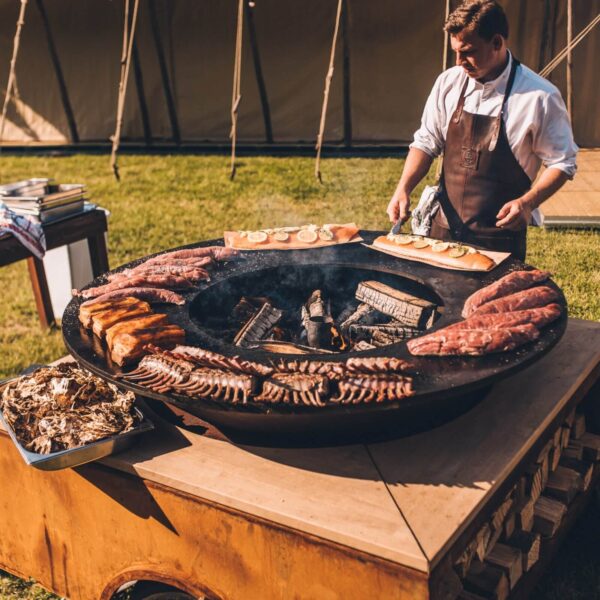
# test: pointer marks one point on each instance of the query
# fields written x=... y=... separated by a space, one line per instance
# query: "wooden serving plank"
x=455 y=469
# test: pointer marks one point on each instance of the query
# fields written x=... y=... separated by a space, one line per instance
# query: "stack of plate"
x=43 y=200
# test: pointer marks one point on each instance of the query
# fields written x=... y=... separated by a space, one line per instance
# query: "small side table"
x=90 y=226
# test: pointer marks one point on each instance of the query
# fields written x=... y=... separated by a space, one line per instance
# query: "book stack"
x=43 y=200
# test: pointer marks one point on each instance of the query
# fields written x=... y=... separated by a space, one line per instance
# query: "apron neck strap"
x=509 y=86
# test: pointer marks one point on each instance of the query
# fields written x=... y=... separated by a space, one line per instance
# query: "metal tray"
x=73 y=457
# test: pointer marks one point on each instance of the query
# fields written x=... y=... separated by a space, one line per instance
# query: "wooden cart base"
x=403 y=519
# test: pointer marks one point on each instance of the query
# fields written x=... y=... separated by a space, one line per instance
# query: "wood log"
x=483 y=537
x=465 y=595
x=570 y=419
x=555 y=455
x=563 y=484
x=499 y=516
x=565 y=436
x=403 y=307
x=463 y=564
x=487 y=580
x=591 y=446
x=509 y=525
x=509 y=559
x=529 y=545
x=259 y=326
x=578 y=428
x=364 y=314
x=375 y=333
x=557 y=437
x=573 y=450
x=583 y=467
x=524 y=515
x=535 y=483
x=548 y=514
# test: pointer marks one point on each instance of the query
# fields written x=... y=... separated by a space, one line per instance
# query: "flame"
x=337 y=339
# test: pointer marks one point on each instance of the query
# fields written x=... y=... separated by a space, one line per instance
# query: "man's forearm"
x=415 y=168
x=550 y=181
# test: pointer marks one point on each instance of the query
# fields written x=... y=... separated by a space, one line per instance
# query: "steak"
x=540 y=317
x=531 y=298
x=472 y=342
x=509 y=284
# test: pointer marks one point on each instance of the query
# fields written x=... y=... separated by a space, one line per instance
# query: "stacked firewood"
x=532 y=513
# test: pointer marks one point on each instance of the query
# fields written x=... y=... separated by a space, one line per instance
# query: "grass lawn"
x=166 y=201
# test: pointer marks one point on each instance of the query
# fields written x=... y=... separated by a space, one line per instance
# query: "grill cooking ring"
x=439 y=382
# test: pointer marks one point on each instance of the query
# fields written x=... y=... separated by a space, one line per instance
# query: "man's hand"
x=399 y=207
x=514 y=215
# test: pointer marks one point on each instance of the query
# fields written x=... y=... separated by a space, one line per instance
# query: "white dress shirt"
x=535 y=117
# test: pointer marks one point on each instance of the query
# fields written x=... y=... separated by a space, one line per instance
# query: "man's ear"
x=497 y=41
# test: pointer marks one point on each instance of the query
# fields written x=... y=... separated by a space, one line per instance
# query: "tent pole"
x=445 y=54
x=128 y=35
x=64 y=94
x=260 y=81
x=13 y=63
x=569 y=59
x=139 y=85
x=346 y=74
x=164 y=73
x=328 y=79
x=563 y=53
x=236 y=92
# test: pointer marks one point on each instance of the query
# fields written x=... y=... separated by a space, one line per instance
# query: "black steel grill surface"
x=444 y=386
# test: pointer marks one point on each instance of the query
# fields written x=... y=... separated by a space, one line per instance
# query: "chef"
x=496 y=121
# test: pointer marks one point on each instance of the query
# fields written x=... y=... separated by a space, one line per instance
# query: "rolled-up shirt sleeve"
x=429 y=137
x=553 y=139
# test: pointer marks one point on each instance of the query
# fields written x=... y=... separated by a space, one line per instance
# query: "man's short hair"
x=486 y=18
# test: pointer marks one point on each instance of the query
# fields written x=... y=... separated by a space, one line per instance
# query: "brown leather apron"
x=480 y=174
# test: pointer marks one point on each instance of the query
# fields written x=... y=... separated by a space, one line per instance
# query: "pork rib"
x=472 y=342
x=531 y=298
x=155 y=295
x=509 y=284
x=540 y=317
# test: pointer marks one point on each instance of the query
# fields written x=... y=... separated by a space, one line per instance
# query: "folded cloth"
x=423 y=214
x=29 y=233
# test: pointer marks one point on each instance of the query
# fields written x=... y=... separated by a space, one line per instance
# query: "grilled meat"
x=93 y=307
x=129 y=346
x=472 y=342
x=531 y=298
x=540 y=317
x=164 y=280
x=155 y=295
x=134 y=325
x=509 y=284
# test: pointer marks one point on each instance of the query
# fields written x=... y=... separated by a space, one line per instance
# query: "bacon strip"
x=509 y=284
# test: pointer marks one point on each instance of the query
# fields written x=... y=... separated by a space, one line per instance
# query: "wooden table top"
x=406 y=500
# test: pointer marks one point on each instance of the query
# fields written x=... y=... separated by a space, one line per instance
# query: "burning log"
x=380 y=335
x=509 y=559
x=364 y=314
x=548 y=515
x=362 y=345
x=246 y=308
x=487 y=580
x=563 y=484
x=402 y=307
x=317 y=320
x=286 y=347
x=584 y=468
x=529 y=545
x=259 y=326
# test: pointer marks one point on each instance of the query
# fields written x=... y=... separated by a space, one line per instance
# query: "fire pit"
x=307 y=301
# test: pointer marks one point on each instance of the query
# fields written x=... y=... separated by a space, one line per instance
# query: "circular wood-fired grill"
x=444 y=386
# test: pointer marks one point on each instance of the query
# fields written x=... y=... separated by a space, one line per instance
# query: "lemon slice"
x=257 y=237
x=307 y=235
x=457 y=252
x=281 y=236
x=421 y=244
x=325 y=235
x=243 y=234
x=471 y=250
x=440 y=246
x=403 y=239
